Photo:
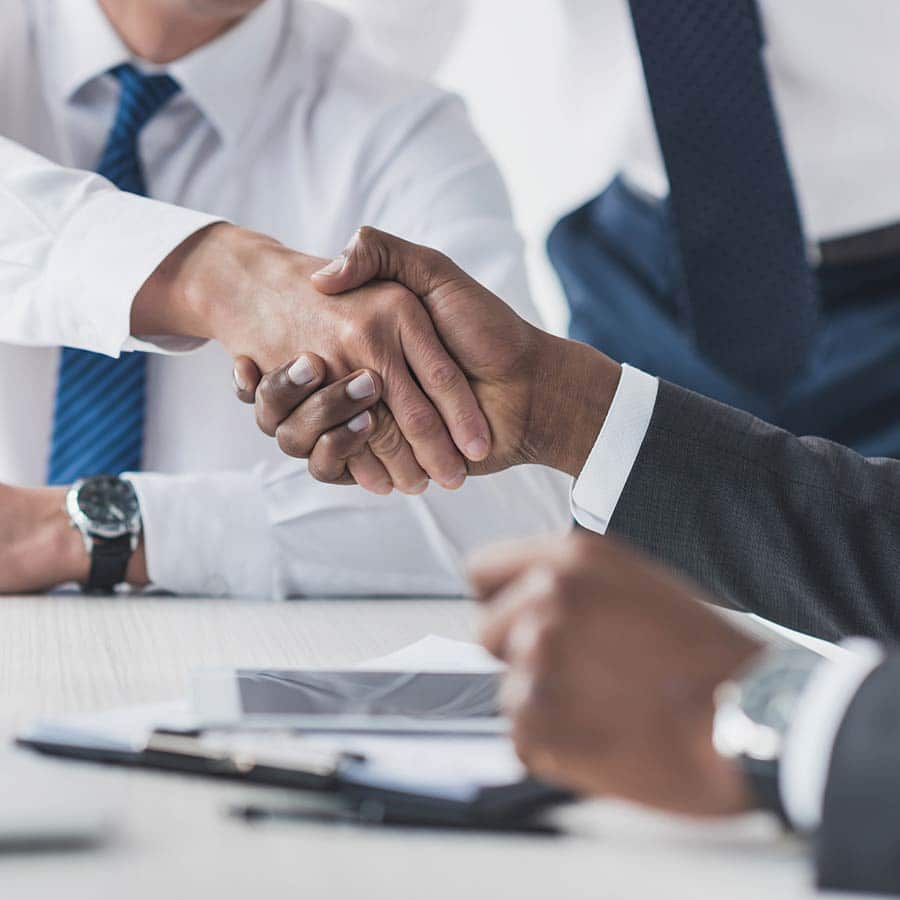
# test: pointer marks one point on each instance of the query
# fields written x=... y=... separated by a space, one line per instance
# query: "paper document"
x=435 y=654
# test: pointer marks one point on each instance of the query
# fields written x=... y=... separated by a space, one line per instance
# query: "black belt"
x=863 y=247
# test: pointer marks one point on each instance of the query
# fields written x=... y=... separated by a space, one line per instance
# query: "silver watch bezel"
x=91 y=530
x=739 y=725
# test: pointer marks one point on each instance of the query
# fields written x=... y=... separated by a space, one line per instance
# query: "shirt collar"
x=83 y=45
x=224 y=78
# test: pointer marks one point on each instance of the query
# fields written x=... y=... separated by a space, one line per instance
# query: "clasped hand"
x=362 y=426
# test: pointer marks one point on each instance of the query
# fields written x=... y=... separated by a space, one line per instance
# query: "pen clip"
x=308 y=761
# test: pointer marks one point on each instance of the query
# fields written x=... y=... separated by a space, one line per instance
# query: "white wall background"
x=546 y=82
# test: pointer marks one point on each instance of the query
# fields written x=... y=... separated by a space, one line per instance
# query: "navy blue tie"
x=98 y=422
x=750 y=297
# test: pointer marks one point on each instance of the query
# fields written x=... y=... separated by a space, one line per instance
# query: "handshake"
x=388 y=367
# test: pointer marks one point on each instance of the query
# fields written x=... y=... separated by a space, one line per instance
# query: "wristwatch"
x=106 y=511
x=754 y=711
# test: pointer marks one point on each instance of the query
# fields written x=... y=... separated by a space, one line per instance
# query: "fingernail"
x=334 y=266
x=478 y=449
x=238 y=381
x=420 y=488
x=384 y=488
x=301 y=372
x=361 y=387
x=360 y=422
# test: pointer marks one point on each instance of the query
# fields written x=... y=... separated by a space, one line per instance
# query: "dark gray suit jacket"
x=800 y=530
x=806 y=533
x=858 y=845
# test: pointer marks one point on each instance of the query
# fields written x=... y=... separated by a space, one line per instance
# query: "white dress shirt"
x=286 y=126
x=832 y=65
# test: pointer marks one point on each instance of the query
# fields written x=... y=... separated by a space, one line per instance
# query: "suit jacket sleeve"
x=858 y=846
x=800 y=530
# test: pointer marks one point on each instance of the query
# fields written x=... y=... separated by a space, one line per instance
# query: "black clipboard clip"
x=189 y=754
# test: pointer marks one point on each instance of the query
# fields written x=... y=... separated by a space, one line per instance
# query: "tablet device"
x=398 y=702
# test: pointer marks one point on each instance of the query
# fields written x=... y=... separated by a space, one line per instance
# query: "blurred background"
x=569 y=66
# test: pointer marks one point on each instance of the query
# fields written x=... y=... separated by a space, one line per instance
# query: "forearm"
x=192 y=292
x=238 y=287
x=574 y=388
x=40 y=547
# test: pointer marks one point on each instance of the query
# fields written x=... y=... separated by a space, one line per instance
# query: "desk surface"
x=64 y=654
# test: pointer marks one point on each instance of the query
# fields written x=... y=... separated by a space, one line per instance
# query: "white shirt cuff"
x=806 y=759
x=106 y=250
x=207 y=534
x=597 y=489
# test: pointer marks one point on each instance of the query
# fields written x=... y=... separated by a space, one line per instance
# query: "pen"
x=375 y=813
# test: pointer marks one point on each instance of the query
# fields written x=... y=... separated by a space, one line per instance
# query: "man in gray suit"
x=620 y=682
x=800 y=530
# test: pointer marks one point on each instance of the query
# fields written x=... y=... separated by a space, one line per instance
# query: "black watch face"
x=109 y=504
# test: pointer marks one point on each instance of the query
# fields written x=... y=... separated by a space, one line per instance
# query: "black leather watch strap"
x=109 y=560
x=762 y=777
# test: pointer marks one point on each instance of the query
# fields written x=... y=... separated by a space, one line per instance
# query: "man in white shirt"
x=283 y=125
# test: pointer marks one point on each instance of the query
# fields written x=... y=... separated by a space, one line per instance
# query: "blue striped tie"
x=98 y=423
x=751 y=297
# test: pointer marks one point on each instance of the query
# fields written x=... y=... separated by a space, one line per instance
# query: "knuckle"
x=366 y=240
x=435 y=259
x=387 y=440
x=468 y=416
x=316 y=409
x=291 y=443
x=444 y=376
x=353 y=332
x=322 y=473
x=329 y=444
x=264 y=422
x=336 y=445
x=421 y=422
x=395 y=296
x=266 y=393
x=390 y=305
x=555 y=583
x=549 y=645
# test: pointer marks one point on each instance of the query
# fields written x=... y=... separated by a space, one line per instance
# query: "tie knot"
x=141 y=98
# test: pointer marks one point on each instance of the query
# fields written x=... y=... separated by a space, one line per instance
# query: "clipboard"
x=358 y=790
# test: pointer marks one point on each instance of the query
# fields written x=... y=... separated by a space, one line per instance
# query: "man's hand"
x=256 y=298
x=39 y=548
x=613 y=664
x=545 y=398
x=330 y=426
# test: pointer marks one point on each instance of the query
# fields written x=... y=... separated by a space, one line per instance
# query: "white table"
x=65 y=654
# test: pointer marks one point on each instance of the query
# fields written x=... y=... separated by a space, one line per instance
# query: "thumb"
x=246 y=379
x=373 y=254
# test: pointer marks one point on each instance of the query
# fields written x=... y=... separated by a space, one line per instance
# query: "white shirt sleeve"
x=599 y=486
x=74 y=251
x=803 y=772
x=277 y=531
